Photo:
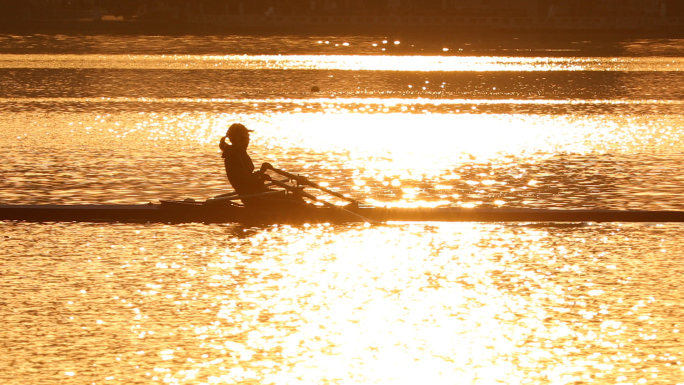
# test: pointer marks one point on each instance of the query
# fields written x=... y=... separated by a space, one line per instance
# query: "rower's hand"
x=266 y=178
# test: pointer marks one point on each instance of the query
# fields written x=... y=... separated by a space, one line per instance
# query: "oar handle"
x=304 y=181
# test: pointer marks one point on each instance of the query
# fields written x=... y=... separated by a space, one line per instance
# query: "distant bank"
x=405 y=25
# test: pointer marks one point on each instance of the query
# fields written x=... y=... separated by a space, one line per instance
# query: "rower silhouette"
x=248 y=183
x=239 y=166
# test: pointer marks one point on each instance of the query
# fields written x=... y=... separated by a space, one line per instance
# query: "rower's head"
x=238 y=134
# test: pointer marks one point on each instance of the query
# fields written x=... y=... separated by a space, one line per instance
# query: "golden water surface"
x=135 y=119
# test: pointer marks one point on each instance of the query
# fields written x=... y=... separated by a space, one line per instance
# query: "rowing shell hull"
x=180 y=212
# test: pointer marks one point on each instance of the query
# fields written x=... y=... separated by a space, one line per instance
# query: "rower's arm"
x=261 y=173
x=265 y=167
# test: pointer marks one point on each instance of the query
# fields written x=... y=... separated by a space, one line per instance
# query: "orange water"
x=137 y=119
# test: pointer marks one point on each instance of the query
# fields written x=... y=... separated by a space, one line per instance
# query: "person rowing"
x=248 y=183
x=251 y=186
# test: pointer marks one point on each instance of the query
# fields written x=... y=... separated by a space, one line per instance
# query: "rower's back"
x=240 y=171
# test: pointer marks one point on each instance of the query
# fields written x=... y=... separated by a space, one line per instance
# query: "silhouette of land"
x=645 y=18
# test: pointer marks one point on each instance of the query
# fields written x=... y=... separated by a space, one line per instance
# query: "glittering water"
x=137 y=119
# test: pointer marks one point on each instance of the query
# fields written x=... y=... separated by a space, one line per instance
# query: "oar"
x=326 y=204
x=305 y=181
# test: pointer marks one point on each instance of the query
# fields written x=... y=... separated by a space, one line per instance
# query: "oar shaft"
x=305 y=181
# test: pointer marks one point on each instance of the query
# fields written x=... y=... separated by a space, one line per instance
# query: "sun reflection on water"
x=382 y=158
x=343 y=62
x=335 y=307
x=391 y=304
x=378 y=310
